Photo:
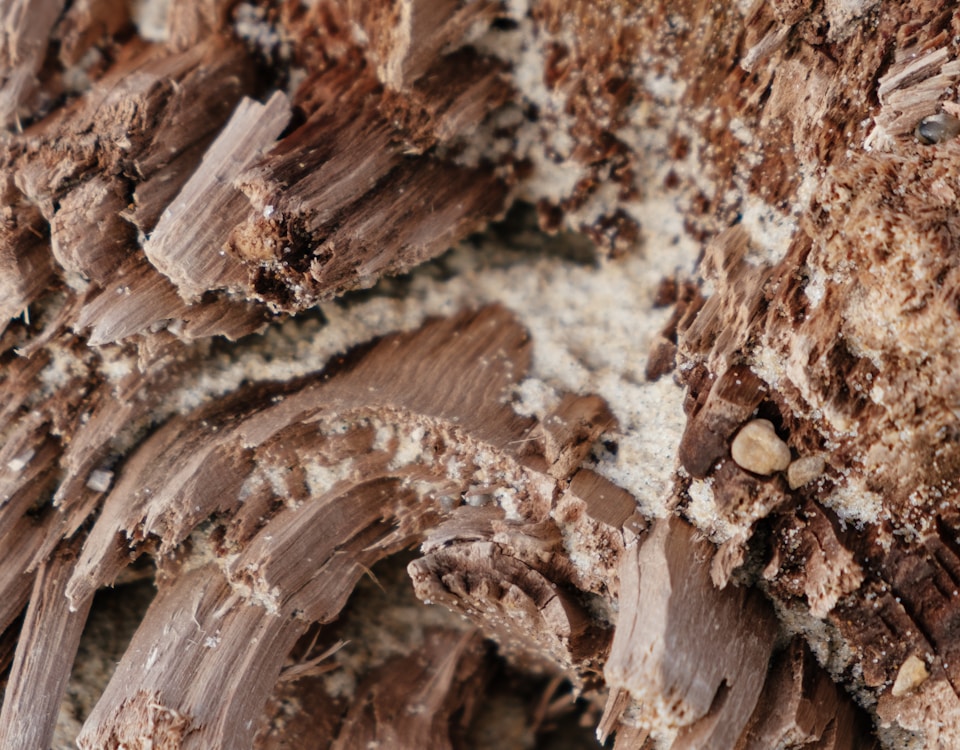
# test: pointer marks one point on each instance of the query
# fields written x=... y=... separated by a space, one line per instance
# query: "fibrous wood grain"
x=184 y=196
x=39 y=672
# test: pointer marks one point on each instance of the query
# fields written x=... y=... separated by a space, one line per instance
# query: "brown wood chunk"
x=606 y=502
x=664 y=648
x=419 y=700
x=800 y=705
x=187 y=245
x=47 y=645
x=731 y=400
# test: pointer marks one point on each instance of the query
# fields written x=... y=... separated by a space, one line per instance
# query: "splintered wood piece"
x=103 y=132
x=197 y=633
x=617 y=701
x=26 y=268
x=188 y=96
x=516 y=580
x=340 y=202
x=296 y=261
x=27 y=466
x=448 y=101
x=16 y=574
x=88 y=235
x=408 y=38
x=207 y=456
x=45 y=652
x=909 y=91
x=800 y=705
x=85 y=23
x=327 y=163
x=664 y=650
x=526 y=610
x=418 y=700
x=605 y=501
x=191 y=21
x=245 y=616
x=271 y=572
x=23 y=45
x=571 y=429
x=187 y=243
x=313 y=482
x=831 y=570
x=808 y=150
x=200 y=106
x=728 y=404
x=136 y=298
x=128 y=404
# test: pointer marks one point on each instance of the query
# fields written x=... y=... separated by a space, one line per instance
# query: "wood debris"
x=188 y=186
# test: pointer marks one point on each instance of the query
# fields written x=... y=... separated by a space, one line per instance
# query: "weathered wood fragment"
x=789 y=139
x=263 y=571
x=426 y=112
x=423 y=700
x=25 y=36
x=88 y=235
x=664 y=650
x=316 y=230
x=406 y=38
x=511 y=582
x=136 y=298
x=187 y=244
x=87 y=22
x=51 y=631
x=800 y=705
x=26 y=268
x=16 y=573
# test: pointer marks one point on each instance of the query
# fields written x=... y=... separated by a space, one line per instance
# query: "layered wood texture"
x=177 y=177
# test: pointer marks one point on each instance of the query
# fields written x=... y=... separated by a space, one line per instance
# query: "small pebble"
x=757 y=448
x=20 y=462
x=100 y=480
x=911 y=675
x=805 y=470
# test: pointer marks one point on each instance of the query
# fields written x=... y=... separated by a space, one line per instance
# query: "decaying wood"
x=839 y=327
x=26 y=268
x=338 y=440
x=184 y=243
x=664 y=653
x=171 y=189
x=313 y=225
x=791 y=708
x=87 y=22
x=39 y=672
x=413 y=700
x=26 y=34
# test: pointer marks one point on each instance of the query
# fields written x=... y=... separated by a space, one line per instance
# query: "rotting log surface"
x=174 y=186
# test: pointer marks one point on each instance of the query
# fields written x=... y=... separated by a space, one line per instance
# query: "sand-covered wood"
x=736 y=410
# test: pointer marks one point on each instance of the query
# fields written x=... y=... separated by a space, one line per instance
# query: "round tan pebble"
x=805 y=470
x=757 y=448
x=912 y=674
